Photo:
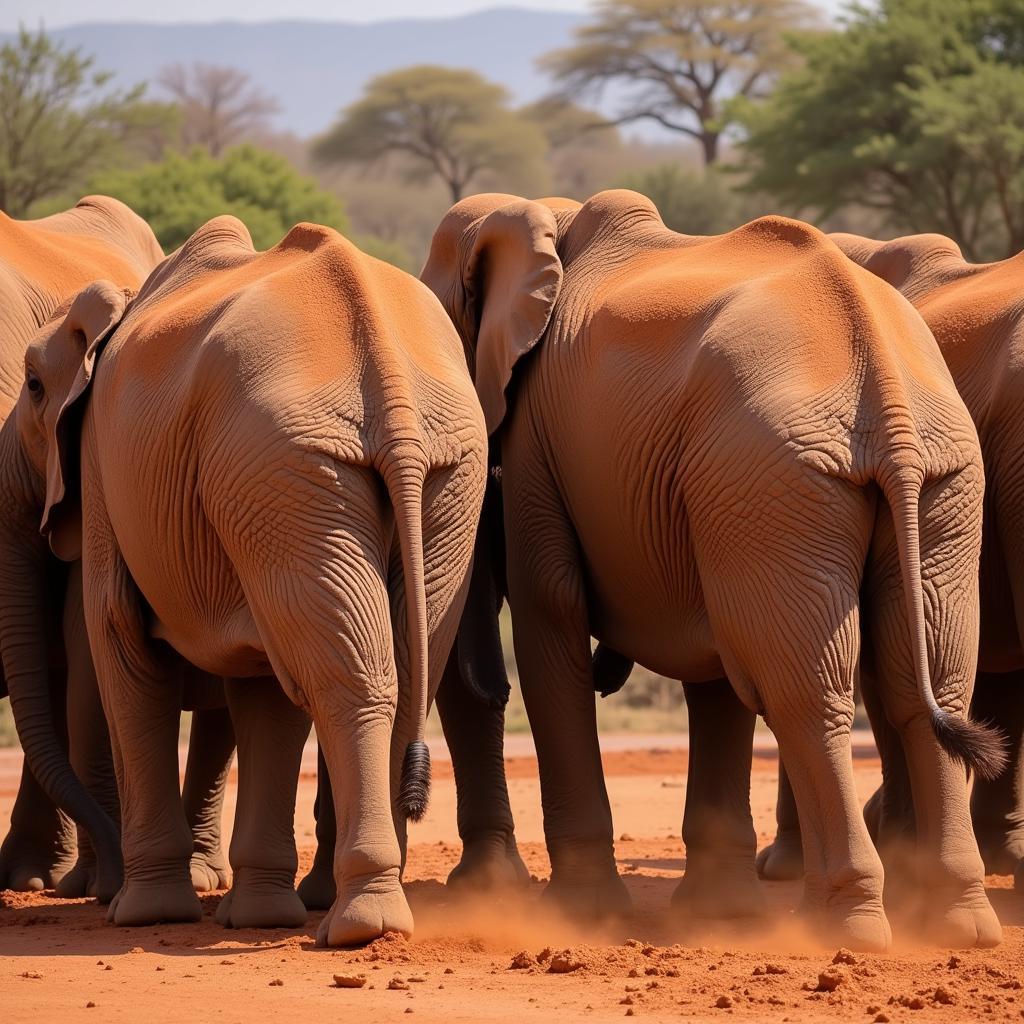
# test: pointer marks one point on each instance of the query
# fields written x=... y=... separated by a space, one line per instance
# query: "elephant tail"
x=404 y=473
x=979 y=747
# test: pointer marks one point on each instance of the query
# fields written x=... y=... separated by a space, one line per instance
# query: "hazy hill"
x=315 y=68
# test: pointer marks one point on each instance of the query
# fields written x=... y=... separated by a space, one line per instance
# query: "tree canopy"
x=220 y=106
x=183 y=191
x=914 y=109
x=60 y=120
x=677 y=61
x=446 y=122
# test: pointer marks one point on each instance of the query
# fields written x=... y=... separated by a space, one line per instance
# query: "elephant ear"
x=93 y=315
x=512 y=278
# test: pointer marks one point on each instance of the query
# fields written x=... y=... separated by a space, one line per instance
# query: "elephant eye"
x=35 y=386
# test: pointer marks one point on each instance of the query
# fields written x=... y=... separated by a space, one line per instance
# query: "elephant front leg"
x=317 y=890
x=718 y=828
x=39 y=847
x=270 y=732
x=141 y=692
x=997 y=806
x=782 y=860
x=475 y=734
x=552 y=645
x=211 y=747
x=98 y=869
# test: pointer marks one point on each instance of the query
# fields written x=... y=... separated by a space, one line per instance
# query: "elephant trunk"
x=403 y=469
x=24 y=614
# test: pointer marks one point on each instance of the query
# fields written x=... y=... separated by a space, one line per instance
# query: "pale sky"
x=57 y=13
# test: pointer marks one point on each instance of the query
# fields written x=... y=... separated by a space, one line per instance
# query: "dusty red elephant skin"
x=271 y=463
x=708 y=446
x=42 y=264
x=976 y=313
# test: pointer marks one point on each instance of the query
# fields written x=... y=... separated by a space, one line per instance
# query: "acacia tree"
x=914 y=109
x=447 y=122
x=219 y=105
x=676 y=62
x=59 y=121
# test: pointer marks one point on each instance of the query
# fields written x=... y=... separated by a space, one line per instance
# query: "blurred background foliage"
x=900 y=116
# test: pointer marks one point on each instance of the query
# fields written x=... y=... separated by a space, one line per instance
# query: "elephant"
x=973 y=310
x=43 y=262
x=706 y=446
x=271 y=465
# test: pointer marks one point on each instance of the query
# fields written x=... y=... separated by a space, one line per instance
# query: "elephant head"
x=39 y=455
x=493 y=264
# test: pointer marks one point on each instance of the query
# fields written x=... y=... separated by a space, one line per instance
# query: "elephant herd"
x=295 y=487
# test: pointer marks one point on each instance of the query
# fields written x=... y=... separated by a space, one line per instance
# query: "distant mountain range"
x=316 y=68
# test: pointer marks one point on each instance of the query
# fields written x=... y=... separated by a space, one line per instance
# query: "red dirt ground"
x=506 y=960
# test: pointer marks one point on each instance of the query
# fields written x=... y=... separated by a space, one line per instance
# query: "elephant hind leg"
x=953 y=908
x=787 y=624
x=997 y=805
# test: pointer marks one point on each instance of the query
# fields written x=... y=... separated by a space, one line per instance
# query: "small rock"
x=276 y=983
x=521 y=961
x=397 y=984
x=775 y=969
x=944 y=996
x=830 y=980
x=159 y=968
x=723 y=1002
x=564 y=963
x=349 y=980
x=625 y=838
x=954 y=962
x=31 y=974
x=448 y=970
x=109 y=967
x=416 y=980
x=90 y=1005
x=844 y=956
x=881 y=1018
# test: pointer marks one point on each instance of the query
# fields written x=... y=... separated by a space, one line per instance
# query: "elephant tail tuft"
x=414 y=792
x=979 y=747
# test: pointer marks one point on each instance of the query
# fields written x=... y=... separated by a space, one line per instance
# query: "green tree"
x=183 y=191
x=447 y=122
x=59 y=121
x=693 y=202
x=914 y=109
x=675 y=62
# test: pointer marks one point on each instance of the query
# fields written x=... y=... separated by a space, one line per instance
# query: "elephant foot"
x=589 y=900
x=718 y=890
x=783 y=859
x=209 y=871
x=30 y=865
x=80 y=881
x=261 y=899
x=141 y=903
x=967 y=922
x=863 y=928
x=318 y=890
x=365 y=910
x=1001 y=846
x=488 y=865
